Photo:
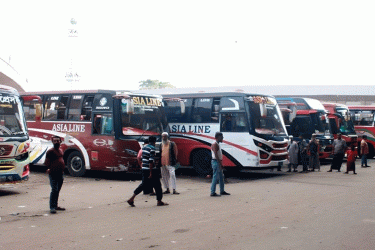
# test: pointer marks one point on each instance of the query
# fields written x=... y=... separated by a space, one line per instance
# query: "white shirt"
x=219 y=153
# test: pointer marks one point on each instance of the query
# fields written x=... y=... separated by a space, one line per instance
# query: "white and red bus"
x=101 y=129
x=363 y=118
x=254 y=132
x=341 y=122
x=14 y=138
x=310 y=118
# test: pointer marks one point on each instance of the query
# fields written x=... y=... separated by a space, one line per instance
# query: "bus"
x=101 y=129
x=254 y=132
x=341 y=122
x=14 y=139
x=310 y=118
x=363 y=118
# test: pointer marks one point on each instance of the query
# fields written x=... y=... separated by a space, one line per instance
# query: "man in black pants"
x=339 y=148
x=150 y=171
x=55 y=164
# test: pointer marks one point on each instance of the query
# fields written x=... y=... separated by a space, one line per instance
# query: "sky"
x=189 y=43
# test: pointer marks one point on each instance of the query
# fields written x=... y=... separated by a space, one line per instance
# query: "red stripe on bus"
x=227 y=142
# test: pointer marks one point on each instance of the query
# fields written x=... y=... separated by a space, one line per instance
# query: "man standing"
x=55 y=168
x=364 y=152
x=168 y=152
x=151 y=172
x=313 y=148
x=217 y=167
x=339 y=147
x=293 y=156
x=302 y=145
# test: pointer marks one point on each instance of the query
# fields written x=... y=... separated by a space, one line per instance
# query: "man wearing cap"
x=168 y=152
x=339 y=148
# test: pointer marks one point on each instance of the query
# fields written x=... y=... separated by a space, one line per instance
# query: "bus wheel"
x=201 y=162
x=76 y=164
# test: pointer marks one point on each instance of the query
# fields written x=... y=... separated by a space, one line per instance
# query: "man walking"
x=313 y=148
x=302 y=145
x=364 y=152
x=55 y=168
x=168 y=152
x=339 y=148
x=293 y=156
x=217 y=167
x=151 y=172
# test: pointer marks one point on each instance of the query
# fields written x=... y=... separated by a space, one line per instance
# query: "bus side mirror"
x=182 y=105
x=293 y=114
x=263 y=110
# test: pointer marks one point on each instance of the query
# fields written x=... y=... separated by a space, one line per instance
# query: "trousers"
x=154 y=182
x=168 y=175
x=56 y=182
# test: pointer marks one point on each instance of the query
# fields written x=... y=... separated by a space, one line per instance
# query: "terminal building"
x=344 y=94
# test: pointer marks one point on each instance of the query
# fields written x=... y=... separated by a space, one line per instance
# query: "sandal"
x=131 y=203
x=163 y=204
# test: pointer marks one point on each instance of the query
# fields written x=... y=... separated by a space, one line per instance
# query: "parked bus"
x=363 y=118
x=341 y=122
x=101 y=129
x=14 y=138
x=310 y=118
x=254 y=132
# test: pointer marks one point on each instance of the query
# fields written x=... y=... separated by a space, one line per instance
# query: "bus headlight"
x=22 y=157
x=263 y=146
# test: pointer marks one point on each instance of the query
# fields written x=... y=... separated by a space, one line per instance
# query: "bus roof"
x=8 y=90
x=94 y=91
x=214 y=94
x=359 y=107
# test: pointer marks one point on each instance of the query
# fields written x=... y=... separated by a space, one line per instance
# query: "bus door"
x=234 y=126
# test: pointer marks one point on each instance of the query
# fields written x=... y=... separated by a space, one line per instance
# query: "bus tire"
x=76 y=164
x=201 y=161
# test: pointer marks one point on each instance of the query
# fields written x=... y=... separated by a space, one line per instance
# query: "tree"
x=154 y=84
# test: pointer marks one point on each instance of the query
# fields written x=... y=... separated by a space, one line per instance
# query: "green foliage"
x=154 y=84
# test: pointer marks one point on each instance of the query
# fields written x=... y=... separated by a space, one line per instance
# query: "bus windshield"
x=320 y=124
x=12 y=121
x=144 y=120
x=346 y=125
x=268 y=123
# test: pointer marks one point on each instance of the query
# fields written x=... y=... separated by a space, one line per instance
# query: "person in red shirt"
x=55 y=168
x=350 y=162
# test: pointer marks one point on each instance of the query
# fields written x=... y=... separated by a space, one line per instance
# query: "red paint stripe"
x=227 y=142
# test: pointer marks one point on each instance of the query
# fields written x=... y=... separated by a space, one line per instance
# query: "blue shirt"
x=148 y=156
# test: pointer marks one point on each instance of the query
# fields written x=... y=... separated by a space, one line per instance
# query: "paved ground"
x=266 y=210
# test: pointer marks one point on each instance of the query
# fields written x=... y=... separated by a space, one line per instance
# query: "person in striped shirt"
x=149 y=172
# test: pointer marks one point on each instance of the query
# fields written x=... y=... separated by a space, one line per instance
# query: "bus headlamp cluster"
x=22 y=157
x=263 y=146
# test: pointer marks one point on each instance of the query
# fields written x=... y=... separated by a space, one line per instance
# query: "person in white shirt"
x=217 y=167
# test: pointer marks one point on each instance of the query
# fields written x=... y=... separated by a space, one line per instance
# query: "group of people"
x=165 y=170
x=308 y=153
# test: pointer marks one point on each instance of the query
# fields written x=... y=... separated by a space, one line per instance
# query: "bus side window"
x=202 y=110
x=61 y=111
x=30 y=111
x=75 y=108
x=87 y=108
x=50 y=108
x=102 y=124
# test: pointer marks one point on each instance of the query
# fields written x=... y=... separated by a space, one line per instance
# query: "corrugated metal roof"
x=276 y=90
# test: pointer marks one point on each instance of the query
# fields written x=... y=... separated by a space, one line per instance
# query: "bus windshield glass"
x=346 y=125
x=146 y=118
x=320 y=124
x=12 y=121
x=362 y=117
x=265 y=116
